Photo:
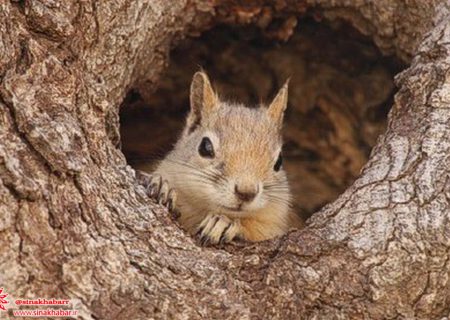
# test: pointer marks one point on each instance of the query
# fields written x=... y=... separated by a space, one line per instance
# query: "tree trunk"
x=75 y=223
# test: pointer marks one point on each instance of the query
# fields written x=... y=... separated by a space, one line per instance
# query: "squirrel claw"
x=171 y=200
x=217 y=229
x=204 y=240
x=158 y=189
x=163 y=192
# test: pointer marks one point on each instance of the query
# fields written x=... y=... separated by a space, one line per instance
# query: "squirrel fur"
x=224 y=175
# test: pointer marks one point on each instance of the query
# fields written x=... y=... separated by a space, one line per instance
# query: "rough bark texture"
x=74 y=223
x=341 y=89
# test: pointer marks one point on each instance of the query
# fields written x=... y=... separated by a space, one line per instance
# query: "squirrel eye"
x=206 y=149
x=278 y=164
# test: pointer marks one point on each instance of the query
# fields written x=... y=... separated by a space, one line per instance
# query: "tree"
x=75 y=223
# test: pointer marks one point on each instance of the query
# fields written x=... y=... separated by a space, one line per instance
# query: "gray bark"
x=75 y=223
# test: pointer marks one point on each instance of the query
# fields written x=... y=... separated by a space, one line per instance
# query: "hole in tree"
x=341 y=89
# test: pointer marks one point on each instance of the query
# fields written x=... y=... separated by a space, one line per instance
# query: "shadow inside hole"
x=341 y=89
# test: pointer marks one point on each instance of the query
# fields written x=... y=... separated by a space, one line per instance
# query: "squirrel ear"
x=202 y=98
x=279 y=104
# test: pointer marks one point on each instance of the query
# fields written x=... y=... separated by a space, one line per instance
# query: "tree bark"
x=75 y=223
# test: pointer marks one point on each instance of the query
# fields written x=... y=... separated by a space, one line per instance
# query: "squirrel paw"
x=216 y=229
x=158 y=189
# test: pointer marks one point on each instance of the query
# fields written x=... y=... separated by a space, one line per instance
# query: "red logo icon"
x=3 y=300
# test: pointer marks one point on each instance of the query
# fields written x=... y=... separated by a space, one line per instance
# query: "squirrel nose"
x=246 y=193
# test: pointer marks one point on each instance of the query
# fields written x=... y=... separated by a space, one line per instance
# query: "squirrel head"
x=231 y=154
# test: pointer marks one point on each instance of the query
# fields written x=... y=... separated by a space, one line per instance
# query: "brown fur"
x=247 y=142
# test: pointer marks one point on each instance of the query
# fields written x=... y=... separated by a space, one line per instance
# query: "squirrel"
x=224 y=175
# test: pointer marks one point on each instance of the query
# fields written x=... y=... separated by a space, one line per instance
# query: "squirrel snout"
x=246 y=193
